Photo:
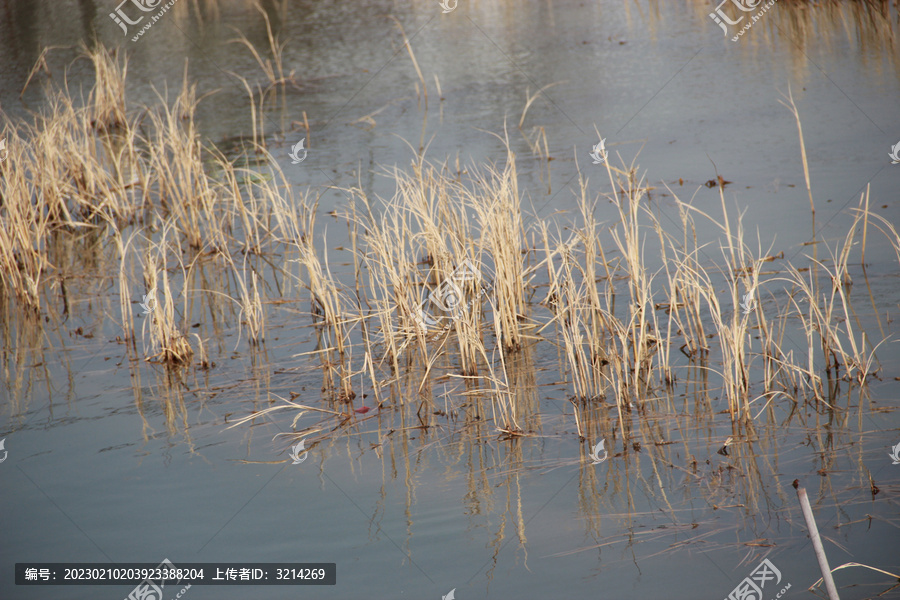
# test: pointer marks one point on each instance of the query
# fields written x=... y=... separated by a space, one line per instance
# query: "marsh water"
x=111 y=460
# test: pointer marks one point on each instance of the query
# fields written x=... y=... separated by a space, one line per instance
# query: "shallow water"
x=111 y=462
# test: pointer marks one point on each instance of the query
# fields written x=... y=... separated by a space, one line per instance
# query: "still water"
x=110 y=462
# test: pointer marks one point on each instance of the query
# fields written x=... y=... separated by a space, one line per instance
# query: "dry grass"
x=108 y=94
x=496 y=202
x=183 y=188
x=169 y=344
x=24 y=227
x=273 y=67
x=329 y=307
x=634 y=306
x=445 y=280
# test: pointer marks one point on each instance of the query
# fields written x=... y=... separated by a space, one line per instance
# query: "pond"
x=656 y=337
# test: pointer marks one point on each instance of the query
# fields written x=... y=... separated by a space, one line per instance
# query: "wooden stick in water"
x=816 y=541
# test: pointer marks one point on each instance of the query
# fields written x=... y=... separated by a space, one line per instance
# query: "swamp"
x=450 y=299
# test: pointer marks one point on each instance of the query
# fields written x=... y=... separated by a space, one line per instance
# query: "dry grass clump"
x=568 y=298
x=98 y=168
x=183 y=188
x=53 y=179
x=497 y=204
x=107 y=100
x=329 y=308
x=295 y=228
x=608 y=352
x=424 y=224
x=827 y=317
x=169 y=343
x=626 y=351
x=252 y=313
x=64 y=171
x=436 y=269
x=24 y=226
